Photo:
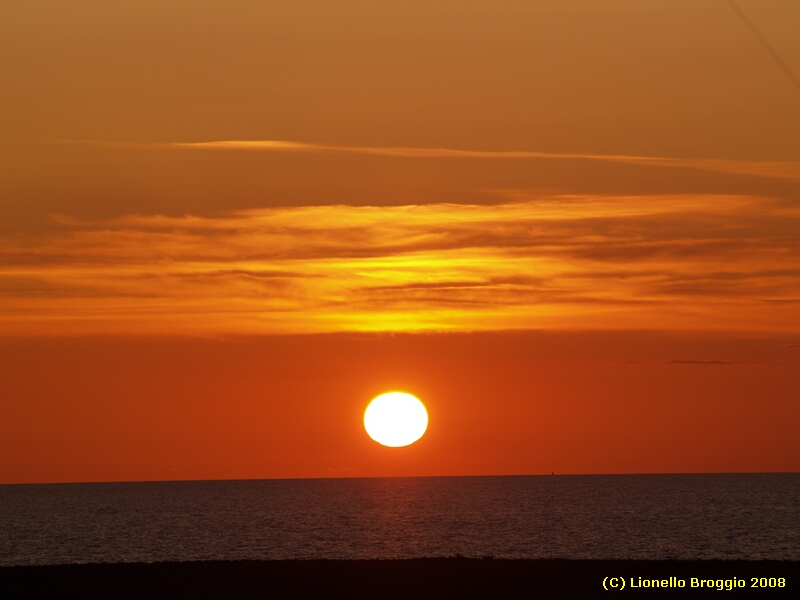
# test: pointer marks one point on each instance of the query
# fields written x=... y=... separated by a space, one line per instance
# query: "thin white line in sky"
x=773 y=169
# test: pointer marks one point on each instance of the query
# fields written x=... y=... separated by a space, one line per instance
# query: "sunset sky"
x=571 y=228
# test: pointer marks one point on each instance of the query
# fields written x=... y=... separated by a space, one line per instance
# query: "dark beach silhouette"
x=439 y=578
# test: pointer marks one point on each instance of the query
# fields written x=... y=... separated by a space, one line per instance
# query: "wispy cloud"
x=691 y=262
x=771 y=169
x=682 y=361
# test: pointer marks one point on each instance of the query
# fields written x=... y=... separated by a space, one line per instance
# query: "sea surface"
x=728 y=516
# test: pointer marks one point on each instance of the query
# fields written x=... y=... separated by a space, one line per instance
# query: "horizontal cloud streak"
x=658 y=262
x=685 y=361
x=771 y=169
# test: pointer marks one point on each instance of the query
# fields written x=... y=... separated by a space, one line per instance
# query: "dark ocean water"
x=736 y=516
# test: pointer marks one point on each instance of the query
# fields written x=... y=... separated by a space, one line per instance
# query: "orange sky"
x=570 y=227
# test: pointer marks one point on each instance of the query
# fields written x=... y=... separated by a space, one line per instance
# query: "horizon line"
x=551 y=474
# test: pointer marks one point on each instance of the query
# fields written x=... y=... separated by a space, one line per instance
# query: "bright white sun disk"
x=395 y=419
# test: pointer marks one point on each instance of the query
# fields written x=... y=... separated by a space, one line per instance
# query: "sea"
x=703 y=516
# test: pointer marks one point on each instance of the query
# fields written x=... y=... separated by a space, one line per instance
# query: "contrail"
x=780 y=170
x=778 y=60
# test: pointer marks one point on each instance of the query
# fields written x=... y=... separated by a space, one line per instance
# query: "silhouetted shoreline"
x=439 y=578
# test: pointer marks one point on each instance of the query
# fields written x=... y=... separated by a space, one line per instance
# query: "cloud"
x=656 y=262
x=700 y=362
x=771 y=169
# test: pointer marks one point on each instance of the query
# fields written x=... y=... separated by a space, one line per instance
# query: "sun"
x=396 y=419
